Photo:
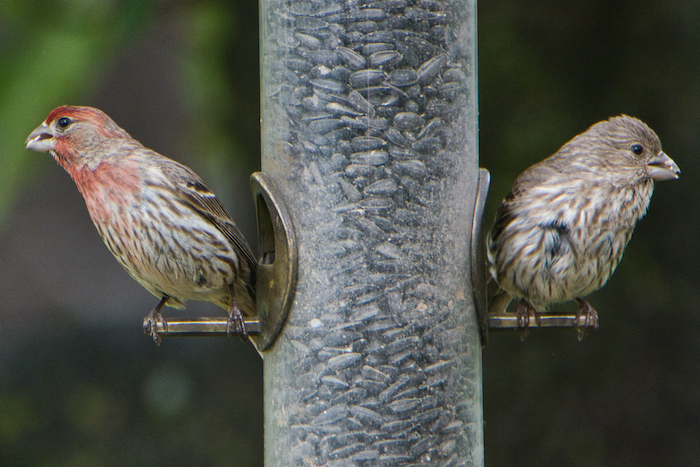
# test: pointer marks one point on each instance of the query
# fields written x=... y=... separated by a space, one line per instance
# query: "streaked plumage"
x=155 y=215
x=561 y=231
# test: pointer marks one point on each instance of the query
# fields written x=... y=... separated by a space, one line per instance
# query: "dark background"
x=81 y=385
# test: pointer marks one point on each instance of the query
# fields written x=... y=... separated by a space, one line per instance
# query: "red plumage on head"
x=104 y=125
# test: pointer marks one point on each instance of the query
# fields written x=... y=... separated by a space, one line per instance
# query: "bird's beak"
x=41 y=139
x=662 y=167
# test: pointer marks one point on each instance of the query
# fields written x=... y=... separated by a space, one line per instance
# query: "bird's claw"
x=236 y=324
x=154 y=317
x=149 y=325
x=524 y=312
x=591 y=318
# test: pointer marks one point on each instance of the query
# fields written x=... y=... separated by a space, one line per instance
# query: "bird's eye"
x=637 y=149
x=63 y=122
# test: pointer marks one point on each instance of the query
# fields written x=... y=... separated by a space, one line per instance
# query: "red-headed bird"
x=156 y=216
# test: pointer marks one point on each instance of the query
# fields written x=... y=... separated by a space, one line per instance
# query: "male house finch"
x=561 y=231
x=156 y=216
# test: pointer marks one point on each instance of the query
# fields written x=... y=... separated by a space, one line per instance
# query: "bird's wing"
x=205 y=202
x=534 y=176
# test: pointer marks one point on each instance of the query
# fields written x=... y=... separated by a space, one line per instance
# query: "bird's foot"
x=149 y=325
x=152 y=318
x=524 y=312
x=236 y=324
x=591 y=318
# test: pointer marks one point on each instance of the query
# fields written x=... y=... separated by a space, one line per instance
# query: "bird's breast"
x=107 y=187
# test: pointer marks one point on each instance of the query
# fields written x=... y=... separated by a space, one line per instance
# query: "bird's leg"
x=149 y=322
x=524 y=312
x=235 y=318
x=585 y=309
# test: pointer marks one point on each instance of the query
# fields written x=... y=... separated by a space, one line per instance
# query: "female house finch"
x=156 y=216
x=561 y=231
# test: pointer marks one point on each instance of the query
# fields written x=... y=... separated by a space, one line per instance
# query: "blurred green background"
x=81 y=385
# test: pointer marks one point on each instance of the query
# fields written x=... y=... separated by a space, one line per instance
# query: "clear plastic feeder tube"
x=369 y=124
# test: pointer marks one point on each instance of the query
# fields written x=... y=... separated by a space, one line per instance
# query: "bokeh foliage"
x=74 y=396
x=78 y=399
x=51 y=53
x=627 y=394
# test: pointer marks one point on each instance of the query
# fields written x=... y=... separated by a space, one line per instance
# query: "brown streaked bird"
x=561 y=231
x=156 y=216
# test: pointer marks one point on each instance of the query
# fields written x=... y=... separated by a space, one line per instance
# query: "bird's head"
x=632 y=147
x=73 y=135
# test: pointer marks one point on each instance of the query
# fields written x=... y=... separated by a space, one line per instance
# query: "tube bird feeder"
x=369 y=134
